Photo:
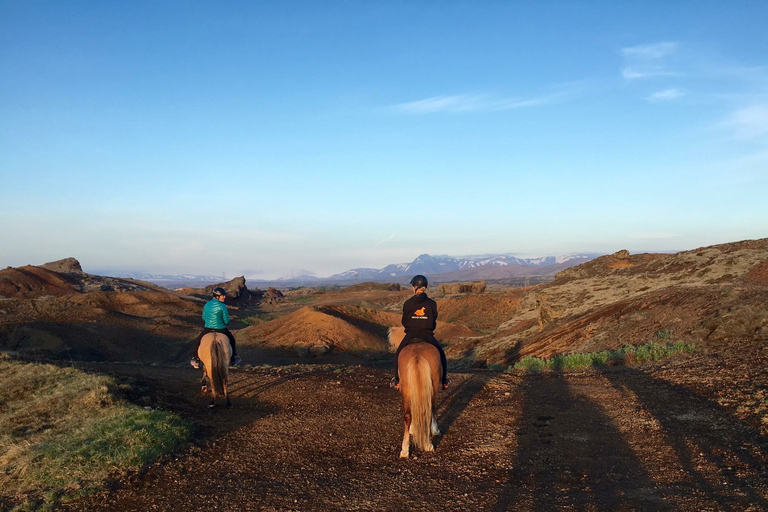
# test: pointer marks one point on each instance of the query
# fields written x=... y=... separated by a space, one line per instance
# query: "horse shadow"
x=178 y=390
x=456 y=401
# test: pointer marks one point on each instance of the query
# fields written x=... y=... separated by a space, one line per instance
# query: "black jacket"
x=420 y=316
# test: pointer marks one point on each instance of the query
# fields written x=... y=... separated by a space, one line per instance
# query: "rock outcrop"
x=237 y=293
x=452 y=288
x=65 y=266
x=272 y=296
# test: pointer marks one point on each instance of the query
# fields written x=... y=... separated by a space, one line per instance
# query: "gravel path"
x=320 y=438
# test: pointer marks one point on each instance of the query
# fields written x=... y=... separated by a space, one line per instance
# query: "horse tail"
x=218 y=368
x=420 y=379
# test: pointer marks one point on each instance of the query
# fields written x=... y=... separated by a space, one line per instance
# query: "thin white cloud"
x=459 y=103
x=635 y=73
x=384 y=241
x=455 y=103
x=666 y=95
x=648 y=60
x=749 y=123
x=650 y=51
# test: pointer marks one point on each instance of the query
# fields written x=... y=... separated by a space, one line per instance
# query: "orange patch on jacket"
x=421 y=312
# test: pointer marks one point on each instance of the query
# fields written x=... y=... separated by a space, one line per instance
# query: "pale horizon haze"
x=265 y=138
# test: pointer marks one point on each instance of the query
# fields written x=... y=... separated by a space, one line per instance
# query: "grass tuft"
x=624 y=356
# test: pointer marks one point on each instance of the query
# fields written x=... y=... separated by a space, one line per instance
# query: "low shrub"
x=534 y=364
x=626 y=355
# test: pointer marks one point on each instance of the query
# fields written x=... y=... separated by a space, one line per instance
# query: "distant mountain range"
x=437 y=268
x=159 y=278
x=442 y=269
x=500 y=265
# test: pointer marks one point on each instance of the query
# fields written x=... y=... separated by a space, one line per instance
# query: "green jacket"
x=215 y=314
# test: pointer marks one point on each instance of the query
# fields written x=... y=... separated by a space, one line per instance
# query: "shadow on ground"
x=570 y=453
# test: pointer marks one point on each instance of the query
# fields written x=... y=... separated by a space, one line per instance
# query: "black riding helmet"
x=419 y=281
x=219 y=291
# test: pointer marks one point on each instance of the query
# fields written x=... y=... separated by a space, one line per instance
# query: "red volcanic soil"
x=310 y=326
x=342 y=327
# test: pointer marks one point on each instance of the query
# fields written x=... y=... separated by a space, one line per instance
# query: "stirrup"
x=446 y=383
x=195 y=362
x=235 y=362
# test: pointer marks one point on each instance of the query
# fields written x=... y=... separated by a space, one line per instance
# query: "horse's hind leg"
x=434 y=428
x=209 y=387
x=406 y=436
x=226 y=395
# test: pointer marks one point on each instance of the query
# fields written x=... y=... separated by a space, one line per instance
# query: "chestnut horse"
x=420 y=370
x=214 y=353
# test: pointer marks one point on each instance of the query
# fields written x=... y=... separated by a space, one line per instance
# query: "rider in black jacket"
x=420 y=320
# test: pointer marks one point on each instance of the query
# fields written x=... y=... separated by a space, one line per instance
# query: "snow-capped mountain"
x=434 y=265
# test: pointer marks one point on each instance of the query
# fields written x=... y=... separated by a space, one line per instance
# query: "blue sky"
x=262 y=138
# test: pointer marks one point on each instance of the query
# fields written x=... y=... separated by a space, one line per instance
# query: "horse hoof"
x=211 y=406
x=403 y=455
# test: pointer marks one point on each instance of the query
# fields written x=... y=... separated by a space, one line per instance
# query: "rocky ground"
x=326 y=437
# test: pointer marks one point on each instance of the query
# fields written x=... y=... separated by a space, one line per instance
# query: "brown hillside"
x=59 y=278
x=484 y=311
x=704 y=295
x=370 y=286
x=121 y=326
x=58 y=311
x=30 y=282
x=605 y=264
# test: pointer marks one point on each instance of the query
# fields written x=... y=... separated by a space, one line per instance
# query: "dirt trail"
x=327 y=438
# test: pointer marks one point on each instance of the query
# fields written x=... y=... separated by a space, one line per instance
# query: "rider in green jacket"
x=216 y=318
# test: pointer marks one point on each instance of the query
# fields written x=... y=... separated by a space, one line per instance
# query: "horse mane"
x=395 y=337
